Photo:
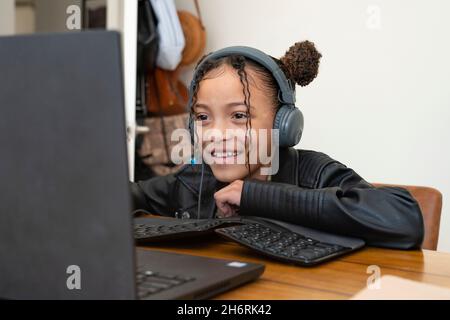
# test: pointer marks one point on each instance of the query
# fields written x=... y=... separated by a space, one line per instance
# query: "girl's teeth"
x=225 y=154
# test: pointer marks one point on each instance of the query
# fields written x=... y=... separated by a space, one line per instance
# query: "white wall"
x=122 y=16
x=7 y=17
x=381 y=102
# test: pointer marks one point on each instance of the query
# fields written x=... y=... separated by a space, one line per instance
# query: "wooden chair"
x=430 y=203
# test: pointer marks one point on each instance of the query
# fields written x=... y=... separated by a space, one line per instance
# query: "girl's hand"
x=228 y=199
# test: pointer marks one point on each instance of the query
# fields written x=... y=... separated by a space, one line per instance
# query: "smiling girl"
x=237 y=93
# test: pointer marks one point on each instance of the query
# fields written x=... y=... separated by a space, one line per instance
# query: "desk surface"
x=338 y=279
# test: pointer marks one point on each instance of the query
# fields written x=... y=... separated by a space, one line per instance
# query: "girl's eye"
x=240 y=115
x=202 y=117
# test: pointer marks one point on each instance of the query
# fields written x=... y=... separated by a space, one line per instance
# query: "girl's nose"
x=221 y=131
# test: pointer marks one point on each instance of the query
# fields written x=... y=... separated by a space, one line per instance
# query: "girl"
x=309 y=188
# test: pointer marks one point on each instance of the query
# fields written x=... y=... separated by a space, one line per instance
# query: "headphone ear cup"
x=289 y=122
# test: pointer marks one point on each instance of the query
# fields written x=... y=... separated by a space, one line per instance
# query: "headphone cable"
x=191 y=124
x=200 y=193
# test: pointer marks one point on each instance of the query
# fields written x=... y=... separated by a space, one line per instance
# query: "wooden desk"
x=338 y=279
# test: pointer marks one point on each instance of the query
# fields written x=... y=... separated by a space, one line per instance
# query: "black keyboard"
x=149 y=232
x=282 y=244
x=276 y=239
x=150 y=282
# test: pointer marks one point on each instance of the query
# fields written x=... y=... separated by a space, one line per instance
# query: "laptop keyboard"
x=282 y=245
x=150 y=282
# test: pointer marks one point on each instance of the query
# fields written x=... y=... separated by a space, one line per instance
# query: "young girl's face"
x=220 y=106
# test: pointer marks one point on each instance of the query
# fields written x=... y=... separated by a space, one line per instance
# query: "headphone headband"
x=287 y=90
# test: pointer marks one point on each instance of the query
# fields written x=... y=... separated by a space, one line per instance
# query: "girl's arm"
x=344 y=204
x=153 y=195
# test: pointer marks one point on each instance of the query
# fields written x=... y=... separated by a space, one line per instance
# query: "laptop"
x=65 y=207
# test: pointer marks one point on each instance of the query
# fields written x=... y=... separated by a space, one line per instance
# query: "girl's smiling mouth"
x=226 y=156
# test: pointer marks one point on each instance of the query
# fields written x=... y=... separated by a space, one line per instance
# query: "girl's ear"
x=301 y=62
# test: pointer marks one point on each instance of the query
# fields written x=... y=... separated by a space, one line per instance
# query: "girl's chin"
x=229 y=172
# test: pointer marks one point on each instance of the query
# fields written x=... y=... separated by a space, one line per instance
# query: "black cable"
x=193 y=161
x=200 y=193
x=196 y=141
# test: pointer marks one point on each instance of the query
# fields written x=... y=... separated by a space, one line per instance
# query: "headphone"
x=288 y=119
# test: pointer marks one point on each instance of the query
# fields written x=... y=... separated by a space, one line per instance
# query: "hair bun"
x=301 y=62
